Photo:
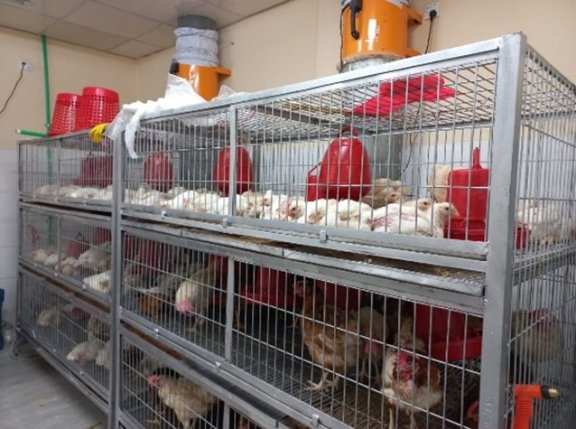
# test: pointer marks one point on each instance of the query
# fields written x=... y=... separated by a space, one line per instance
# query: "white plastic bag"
x=179 y=93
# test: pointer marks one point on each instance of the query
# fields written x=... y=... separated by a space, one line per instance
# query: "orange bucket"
x=377 y=28
x=204 y=79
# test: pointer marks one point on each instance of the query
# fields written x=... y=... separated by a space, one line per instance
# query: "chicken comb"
x=153 y=380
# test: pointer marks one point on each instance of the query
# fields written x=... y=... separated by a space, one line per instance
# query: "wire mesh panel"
x=375 y=154
x=75 y=248
x=361 y=358
x=542 y=348
x=176 y=287
x=75 y=333
x=323 y=344
x=70 y=170
x=172 y=163
x=546 y=191
x=404 y=151
x=155 y=395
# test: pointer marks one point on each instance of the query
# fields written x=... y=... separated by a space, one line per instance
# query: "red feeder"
x=446 y=332
x=159 y=171
x=77 y=246
x=244 y=171
x=101 y=235
x=95 y=171
x=344 y=170
x=65 y=111
x=392 y=96
x=468 y=191
x=270 y=288
x=97 y=105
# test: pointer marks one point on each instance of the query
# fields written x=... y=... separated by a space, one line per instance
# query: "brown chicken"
x=385 y=191
x=153 y=304
x=188 y=400
x=331 y=335
x=409 y=383
x=373 y=330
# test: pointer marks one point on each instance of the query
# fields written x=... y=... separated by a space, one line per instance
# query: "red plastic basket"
x=97 y=105
x=64 y=115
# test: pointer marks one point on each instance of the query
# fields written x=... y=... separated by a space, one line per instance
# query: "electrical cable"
x=13 y=88
x=341 y=42
x=432 y=17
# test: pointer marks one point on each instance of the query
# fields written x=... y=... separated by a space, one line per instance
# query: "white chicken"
x=47 y=190
x=271 y=205
x=66 y=266
x=182 y=201
x=100 y=282
x=96 y=258
x=40 y=255
x=385 y=191
x=211 y=203
x=153 y=198
x=314 y=211
x=54 y=258
x=548 y=221
x=104 y=194
x=413 y=221
x=250 y=204
x=86 y=351
x=438 y=181
x=291 y=209
x=49 y=317
x=131 y=196
x=65 y=191
x=103 y=356
x=194 y=294
x=85 y=193
x=175 y=191
x=348 y=214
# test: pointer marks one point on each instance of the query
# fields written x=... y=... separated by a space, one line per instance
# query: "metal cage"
x=271 y=324
x=73 y=247
x=399 y=238
x=75 y=332
x=161 y=388
x=68 y=170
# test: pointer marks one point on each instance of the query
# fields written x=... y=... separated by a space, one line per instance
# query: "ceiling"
x=129 y=28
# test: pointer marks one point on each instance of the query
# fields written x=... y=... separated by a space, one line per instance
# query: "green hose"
x=47 y=121
x=46 y=82
x=31 y=133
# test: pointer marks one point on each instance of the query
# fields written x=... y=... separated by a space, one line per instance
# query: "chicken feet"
x=392 y=421
x=324 y=383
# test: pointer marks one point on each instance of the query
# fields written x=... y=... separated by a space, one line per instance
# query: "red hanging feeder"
x=344 y=171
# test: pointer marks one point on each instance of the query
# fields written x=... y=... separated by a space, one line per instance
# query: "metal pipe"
x=46 y=82
x=31 y=133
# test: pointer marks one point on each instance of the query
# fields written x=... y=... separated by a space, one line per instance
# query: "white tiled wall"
x=9 y=231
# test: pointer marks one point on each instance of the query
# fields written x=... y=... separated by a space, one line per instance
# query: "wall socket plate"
x=429 y=8
x=27 y=66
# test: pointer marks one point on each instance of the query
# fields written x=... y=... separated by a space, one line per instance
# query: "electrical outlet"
x=25 y=65
x=429 y=8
